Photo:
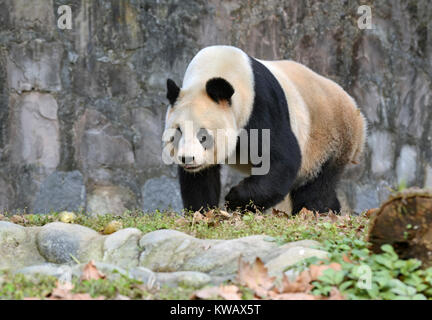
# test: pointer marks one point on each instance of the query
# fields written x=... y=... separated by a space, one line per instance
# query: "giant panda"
x=315 y=127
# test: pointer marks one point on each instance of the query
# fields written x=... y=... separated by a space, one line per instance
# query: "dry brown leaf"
x=209 y=215
x=18 y=219
x=333 y=218
x=224 y=214
x=67 y=217
x=306 y=214
x=181 y=222
x=255 y=276
x=197 y=217
x=63 y=292
x=90 y=272
x=2 y=217
x=346 y=258
x=335 y=295
x=300 y=285
x=293 y=296
x=227 y=292
x=113 y=226
x=316 y=271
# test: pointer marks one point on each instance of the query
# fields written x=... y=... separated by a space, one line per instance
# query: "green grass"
x=303 y=226
x=17 y=287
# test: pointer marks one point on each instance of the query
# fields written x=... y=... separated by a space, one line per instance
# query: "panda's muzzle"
x=186 y=160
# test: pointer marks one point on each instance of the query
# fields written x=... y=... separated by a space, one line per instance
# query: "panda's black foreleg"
x=265 y=191
x=320 y=193
x=200 y=189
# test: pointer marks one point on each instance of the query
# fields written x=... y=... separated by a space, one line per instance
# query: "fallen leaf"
x=113 y=226
x=293 y=296
x=300 y=285
x=90 y=272
x=224 y=214
x=346 y=258
x=18 y=219
x=63 y=292
x=67 y=216
x=332 y=216
x=255 y=276
x=197 y=217
x=279 y=213
x=227 y=292
x=316 y=271
x=335 y=294
x=306 y=214
x=2 y=217
x=181 y=222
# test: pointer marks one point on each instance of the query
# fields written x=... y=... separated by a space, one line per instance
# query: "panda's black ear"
x=219 y=89
x=172 y=91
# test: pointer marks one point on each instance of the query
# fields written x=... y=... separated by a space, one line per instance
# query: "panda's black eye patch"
x=219 y=89
x=205 y=138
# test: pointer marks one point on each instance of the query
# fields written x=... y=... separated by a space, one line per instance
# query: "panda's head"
x=200 y=126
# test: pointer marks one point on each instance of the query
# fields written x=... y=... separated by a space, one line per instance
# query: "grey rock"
x=65 y=243
x=6 y=192
x=147 y=140
x=39 y=17
x=367 y=198
x=169 y=251
x=61 y=191
x=406 y=165
x=101 y=144
x=62 y=272
x=146 y=276
x=290 y=257
x=35 y=129
x=161 y=194
x=186 y=278
x=111 y=271
x=121 y=248
x=34 y=65
x=428 y=177
x=110 y=200
x=382 y=149
x=17 y=246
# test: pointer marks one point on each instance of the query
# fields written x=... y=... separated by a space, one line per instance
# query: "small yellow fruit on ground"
x=67 y=217
x=112 y=227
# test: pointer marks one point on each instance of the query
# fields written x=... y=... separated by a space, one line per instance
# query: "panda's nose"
x=186 y=160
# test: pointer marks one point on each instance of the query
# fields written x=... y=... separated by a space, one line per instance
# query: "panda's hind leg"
x=319 y=194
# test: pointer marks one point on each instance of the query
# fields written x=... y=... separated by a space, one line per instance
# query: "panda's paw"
x=235 y=199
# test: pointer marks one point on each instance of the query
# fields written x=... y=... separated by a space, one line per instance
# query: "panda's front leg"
x=200 y=190
x=265 y=191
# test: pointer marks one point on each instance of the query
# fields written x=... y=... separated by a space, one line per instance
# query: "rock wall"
x=81 y=110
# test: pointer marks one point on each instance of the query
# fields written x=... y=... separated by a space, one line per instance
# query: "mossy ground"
x=282 y=228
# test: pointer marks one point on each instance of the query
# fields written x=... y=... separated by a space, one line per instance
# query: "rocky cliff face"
x=81 y=110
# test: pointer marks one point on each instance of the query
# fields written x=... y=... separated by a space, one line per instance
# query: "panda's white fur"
x=323 y=117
